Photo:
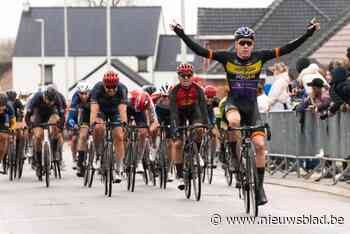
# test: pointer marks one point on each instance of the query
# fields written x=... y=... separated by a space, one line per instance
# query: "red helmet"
x=184 y=68
x=110 y=79
x=197 y=79
x=139 y=99
x=210 y=91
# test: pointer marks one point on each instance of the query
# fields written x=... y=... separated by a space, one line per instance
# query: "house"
x=276 y=25
x=5 y=76
x=135 y=37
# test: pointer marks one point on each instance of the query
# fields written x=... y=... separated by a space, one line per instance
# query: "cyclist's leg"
x=82 y=148
x=140 y=120
x=73 y=144
x=258 y=138
x=233 y=117
x=98 y=135
x=118 y=138
x=3 y=145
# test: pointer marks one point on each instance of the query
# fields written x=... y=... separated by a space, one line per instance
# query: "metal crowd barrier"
x=298 y=137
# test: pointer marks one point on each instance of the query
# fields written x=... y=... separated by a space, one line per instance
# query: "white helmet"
x=83 y=87
x=165 y=89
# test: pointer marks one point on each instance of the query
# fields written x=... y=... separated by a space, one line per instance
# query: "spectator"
x=348 y=58
x=340 y=89
x=278 y=97
x=318 y=101
x=301 y=64
x=308 y=74
x=263 y=103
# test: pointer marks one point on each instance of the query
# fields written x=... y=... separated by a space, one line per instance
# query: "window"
x=48 y=74
x=142 y=64
x=48 y=79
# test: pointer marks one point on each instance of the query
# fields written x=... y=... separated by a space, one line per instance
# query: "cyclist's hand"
x=176 y=27
x=314 y=25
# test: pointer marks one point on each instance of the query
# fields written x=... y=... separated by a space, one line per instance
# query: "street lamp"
x=66 y=49
x=42 y=22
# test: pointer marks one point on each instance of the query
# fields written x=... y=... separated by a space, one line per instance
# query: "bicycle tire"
x=228 y=173
x=204 y=155
x=253 y=182
x=187 y=176
x=243 y=174
x=210 y=165
x=196 y=173
x=110 y=169
x=145 y=174
x=47 y=165
x=91 y=160
x=12 y=161
x=163 y=167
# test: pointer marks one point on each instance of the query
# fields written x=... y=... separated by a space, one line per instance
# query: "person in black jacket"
x=339 y=91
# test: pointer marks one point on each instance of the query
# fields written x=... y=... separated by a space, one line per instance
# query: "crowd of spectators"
x=322 y=90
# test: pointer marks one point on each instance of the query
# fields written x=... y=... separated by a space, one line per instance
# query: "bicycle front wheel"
x=196 y=173
x=47 y=164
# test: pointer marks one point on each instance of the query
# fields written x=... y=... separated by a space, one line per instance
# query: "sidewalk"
x=325 y=185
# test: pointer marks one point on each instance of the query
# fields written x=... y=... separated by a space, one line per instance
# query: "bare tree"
x=6 y=50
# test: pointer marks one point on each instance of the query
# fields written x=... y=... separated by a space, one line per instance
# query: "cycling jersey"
x=7 y=117
x=77 y=108
x=18 y=109
x=109 y=104
x=187 y=104
x=243 y=75
x=43 y=111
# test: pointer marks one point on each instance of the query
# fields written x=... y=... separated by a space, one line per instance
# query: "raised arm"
x=293 y=45
x=198 y=49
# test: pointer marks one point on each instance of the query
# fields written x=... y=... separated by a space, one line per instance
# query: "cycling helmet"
x=184 y=68
x=165 y=89
x=210 y=91
x=139 y=99
x=12 y=95
x=3 y=99
x=149 y=89
x=50 y=94
x=110 y=79
x=244 y=32
x=83 y=87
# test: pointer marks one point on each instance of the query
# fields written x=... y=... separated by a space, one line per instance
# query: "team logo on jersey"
x=244 y=71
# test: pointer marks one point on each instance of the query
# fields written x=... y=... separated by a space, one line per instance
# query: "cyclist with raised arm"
x=109 y=103
x=46 y=106
x=7 y=122
x=243 y=67
x=187 y=103
x=78 y=121
x=141 y=108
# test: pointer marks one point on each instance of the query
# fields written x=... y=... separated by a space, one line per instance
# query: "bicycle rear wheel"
x=196 y=173
x=228 y=172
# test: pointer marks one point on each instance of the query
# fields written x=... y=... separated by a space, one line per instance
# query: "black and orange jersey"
x=243 y=75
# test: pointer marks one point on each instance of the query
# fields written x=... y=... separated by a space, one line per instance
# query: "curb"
x=336 y=190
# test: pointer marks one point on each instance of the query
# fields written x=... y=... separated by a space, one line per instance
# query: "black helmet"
x=244 y=32
x=3 y=99
x=149 y=89
x=50 y=94
x=12 y=95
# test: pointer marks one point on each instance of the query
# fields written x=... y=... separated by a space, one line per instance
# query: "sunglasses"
x=245 y=42
x=83 y=93
x=186 y=76
x=111 y=88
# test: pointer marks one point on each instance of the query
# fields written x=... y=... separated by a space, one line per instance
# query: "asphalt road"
x=27 y=206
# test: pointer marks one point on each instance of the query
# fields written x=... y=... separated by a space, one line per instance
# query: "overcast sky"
x=10 y=11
